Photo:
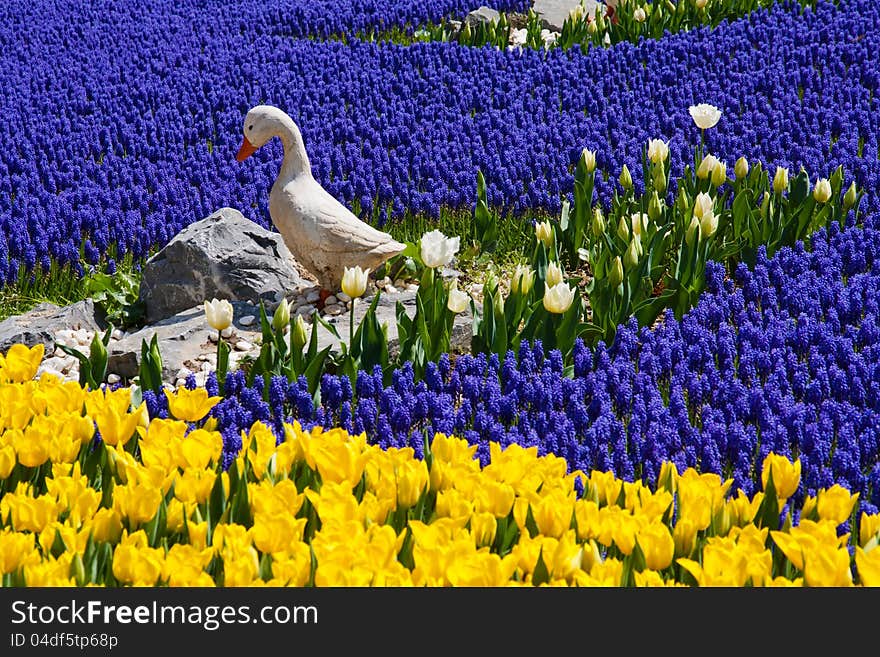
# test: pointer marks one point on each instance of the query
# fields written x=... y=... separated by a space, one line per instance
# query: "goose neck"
x=296 y=160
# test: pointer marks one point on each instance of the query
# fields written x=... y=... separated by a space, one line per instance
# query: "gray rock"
x=41 y=323
x=483 y=14
x=225 y=256
x=554 y=12
x=182 y=339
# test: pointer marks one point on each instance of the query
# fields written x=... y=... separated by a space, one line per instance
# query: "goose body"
x=321 y=233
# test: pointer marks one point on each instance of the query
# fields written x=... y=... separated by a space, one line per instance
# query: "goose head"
x=261 y=124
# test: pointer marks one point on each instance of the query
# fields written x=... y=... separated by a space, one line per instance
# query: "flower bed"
x=135 y=148
x=785 y=362
x=147 y=504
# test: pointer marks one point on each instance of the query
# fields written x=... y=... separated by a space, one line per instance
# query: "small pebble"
x=385 y=281
x=113 y=378
x=342 y=296
x=313 y=296
x=243 y=345
x=247 y=320
x=333 y=310
x=201 y=377
x=331 y=300
x=180 y=382
x=182 y=373
x=117 y=334
x=390 y=289
x=227 y=332
x=212 y=336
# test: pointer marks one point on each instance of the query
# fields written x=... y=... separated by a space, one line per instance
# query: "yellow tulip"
x=190 y=405
x=16 y=550
x=657 y=545
x=117 y=428
x=277 y=532
x=483 y=527
x=869 y=527
x=836 y=504
x=786 y=475
x=264 y=439
x=480 y=569
x=339 y=459
x=412 y=481
x=31 y=446
x=135 y=563
x=194 y=485
x=51 y=572
x=106 y=526
x=198 y=534
x=21 y=363
x=293 y=567
x=868 y=565
x=553 y=512
x=7 y=461
x=137 y=502
x=281 y=497
x=452 y=450
x=28 y=513
x=495 y=497
x=684 y=535
x=827 y=566
x=200 y=448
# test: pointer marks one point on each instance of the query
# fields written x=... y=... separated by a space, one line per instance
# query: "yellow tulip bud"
x=281 y=317
x=780 y=180
x=741 y=168
x=657 y=545
x=836 y=503
x=299 y=336
x=615 y=276
x=692 y=231
x=598 y=223
x=655 y=207
x=625 y=179
x=849 y=199
x=633 y=253
x=483 y=526
x=719 y=174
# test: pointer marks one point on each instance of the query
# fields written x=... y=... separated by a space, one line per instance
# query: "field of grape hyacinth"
x=679 y=385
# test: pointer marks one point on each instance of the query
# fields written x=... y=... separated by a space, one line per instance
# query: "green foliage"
x=117 y=296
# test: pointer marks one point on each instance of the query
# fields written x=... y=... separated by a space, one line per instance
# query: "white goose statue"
x=321 y=233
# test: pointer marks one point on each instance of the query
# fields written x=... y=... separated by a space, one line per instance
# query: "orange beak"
x=247 y=149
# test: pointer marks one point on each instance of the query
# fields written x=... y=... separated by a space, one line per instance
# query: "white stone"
x=212 y=336
x=247 y=320
x=201 y=377
x=228 y=332
x=390 y=289
x=342 y=296
x=243 y=345
x=113 y=378
x=334 y=310
x=385 y=281
x=182 y=373
x=180 y=382
x=117 y=334
x=329 y=301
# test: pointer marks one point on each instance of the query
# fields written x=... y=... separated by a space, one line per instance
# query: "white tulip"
x=558 y=299
x=822 y=191
x=705 y=115
x=707 y=166
x=639 y=222
x=639 y=15
x=708 y=225
x=544 y=233
x=554 y=275
x=523 y=279
x=354 y=281
x=457 y=302
x=658 y=151
x=437 y=249
x=703 y=204
x=589 y=160
x=218 y=314
x=780 y=180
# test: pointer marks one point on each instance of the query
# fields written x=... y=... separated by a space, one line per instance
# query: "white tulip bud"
x=554 y=274
x=558 y=299
x=822 y=191
x=218 y=314
x=354 y=281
